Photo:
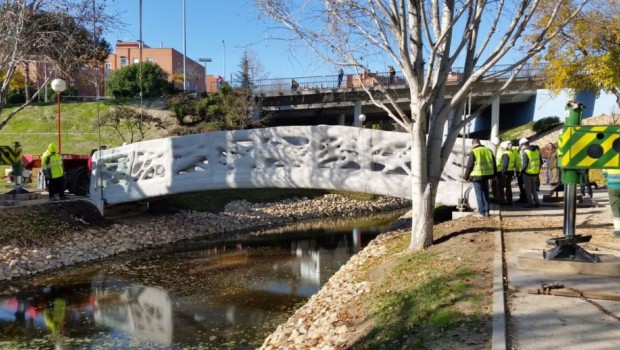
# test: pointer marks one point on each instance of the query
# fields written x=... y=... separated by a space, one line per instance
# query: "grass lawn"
x=35 y=127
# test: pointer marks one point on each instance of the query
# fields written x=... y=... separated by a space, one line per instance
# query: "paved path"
x=556 y=322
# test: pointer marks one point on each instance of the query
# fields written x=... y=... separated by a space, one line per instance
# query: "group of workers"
x=483 y=166
x=525 y=162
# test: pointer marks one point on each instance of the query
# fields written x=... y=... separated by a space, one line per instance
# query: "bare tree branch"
x=424 y=38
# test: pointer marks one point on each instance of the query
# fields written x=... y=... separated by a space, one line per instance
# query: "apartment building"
x=169 y=59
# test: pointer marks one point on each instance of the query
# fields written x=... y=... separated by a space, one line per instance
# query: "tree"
x=424 y=39
x=53 y=32
x=586 y=53
x=227 y=109
x=154 y=79
x=129 y=124
x=244 y=76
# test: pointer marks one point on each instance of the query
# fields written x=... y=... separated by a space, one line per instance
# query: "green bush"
x=121 y=93
x=182 y=105
x=545 y=124
x=15 y=96
x=154 y=80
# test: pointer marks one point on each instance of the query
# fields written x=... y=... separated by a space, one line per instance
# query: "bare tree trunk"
x=27 y=81
x=422 y=198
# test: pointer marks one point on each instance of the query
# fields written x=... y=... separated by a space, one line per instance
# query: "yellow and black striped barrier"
x=590 y=147
x=10 y=155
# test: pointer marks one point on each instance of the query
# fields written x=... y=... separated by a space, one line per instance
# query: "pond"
x=199 y=294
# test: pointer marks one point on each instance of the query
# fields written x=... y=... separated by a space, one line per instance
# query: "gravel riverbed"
x=313 y=326
x=89 y=244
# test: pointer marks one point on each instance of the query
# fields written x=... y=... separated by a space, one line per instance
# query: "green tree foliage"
x=244 y=76
x=227 y=109
x=586 y=54
x=126 y=81
x=545 y=124
x=131 y=125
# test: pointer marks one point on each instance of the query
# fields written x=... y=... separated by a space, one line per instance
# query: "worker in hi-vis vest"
x=530 y=168
x=518 y=165
x=51 y=164
x=480 y=169
x=613 y=190
x=506 y=165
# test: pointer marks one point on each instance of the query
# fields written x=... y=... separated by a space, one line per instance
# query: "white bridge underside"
x=321 y=157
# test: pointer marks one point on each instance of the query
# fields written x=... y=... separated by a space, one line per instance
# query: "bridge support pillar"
x=341 y=119
x=357 y=110
x=495 y=118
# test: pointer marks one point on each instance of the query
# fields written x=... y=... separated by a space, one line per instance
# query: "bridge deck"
x=320 y=157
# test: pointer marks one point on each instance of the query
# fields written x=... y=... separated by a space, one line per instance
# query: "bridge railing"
x=349 y=81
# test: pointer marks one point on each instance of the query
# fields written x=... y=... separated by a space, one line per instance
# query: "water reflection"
x=197 y=294
x=139 y=311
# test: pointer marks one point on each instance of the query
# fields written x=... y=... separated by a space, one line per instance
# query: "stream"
x=199 y=294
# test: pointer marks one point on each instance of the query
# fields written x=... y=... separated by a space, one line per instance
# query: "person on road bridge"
x=532 y=162
x=392 y=73
x=613 y=190
x=480 y=169
x=51 y=163
x=506 y=161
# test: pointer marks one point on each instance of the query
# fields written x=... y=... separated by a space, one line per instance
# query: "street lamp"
x=224 y=45
x=205 y=60
x=59 y=85
x=362 y=119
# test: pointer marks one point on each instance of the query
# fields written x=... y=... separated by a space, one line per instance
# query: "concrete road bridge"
x=321 y=100
x=328 y=157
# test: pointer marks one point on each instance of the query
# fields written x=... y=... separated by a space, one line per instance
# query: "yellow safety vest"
x=512 y=157
x=53 y=162
x=518 y=159
x=498 y=158
x=484 y=162
x=533 y=166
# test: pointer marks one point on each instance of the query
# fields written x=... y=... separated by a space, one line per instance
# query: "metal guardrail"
x=331 y=82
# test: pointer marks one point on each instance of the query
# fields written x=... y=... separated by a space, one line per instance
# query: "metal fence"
x=330 y=82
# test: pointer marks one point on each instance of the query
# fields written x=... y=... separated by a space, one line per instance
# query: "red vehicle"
x=77 y=178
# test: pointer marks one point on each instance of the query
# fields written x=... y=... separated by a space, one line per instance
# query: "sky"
x=218 y=29
x=223 y=30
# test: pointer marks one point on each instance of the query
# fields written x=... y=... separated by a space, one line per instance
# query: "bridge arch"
x=328 y=157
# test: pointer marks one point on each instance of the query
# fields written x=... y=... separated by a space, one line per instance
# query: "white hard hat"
x=495 y=141
x=504 y=144
x=523 y=140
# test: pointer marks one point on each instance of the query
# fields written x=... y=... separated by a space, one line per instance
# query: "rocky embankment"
x=76 y=246
x=321 y=323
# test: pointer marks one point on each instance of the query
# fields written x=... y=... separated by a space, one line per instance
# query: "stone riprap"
x=98 y=243
x=319 y=324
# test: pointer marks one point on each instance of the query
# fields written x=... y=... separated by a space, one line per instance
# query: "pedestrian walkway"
x=560 y=322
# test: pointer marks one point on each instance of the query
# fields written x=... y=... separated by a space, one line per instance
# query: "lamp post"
x=224 y=45
x=362 y=119
x=59 y=85
x=205 y=60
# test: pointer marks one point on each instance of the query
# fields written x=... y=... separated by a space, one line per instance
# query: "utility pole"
x=224 y=45
x=184 y=51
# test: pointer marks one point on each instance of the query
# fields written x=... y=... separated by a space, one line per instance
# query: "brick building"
x=170 y=60
x=89 y=80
